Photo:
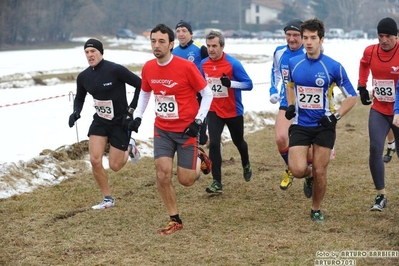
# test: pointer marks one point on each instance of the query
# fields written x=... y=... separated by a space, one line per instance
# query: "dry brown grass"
x=252 y=223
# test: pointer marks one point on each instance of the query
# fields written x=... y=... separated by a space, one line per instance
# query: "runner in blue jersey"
x=192 y=51
x=279 y=76
x=311 y=80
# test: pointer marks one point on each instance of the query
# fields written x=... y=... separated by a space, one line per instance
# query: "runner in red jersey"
x=382 y=60
x=175 y=82
x=227 y=78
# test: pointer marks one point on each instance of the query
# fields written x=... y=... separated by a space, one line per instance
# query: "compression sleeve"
x=207 y=96
x=364 y=66
x=142 y=103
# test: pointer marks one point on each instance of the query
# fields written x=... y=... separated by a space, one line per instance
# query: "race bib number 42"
x=218 y=90
x=104 y=109
x=166 y=107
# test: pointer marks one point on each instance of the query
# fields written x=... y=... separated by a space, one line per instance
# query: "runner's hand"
x=290 y=112
x=134 y=124
x=127 y=118
x=328 y=121
x=364 y=95
x=72 y=118
x=274 y=98
x=225 y=81
x=193 y=129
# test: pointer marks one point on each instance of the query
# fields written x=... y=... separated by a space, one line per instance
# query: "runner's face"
x=293 y=39
x=215 y=51
x=93 y=56
x=183 y=35
x=386 y=41
x=312 y=43
x=161 y=46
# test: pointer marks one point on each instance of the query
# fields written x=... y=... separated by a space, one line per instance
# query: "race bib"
x=310 y=97
x=384 y=90
x=218 y=90
x=166 y=107
x=104 y=109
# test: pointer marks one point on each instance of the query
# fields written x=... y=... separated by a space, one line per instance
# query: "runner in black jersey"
x=106 y=82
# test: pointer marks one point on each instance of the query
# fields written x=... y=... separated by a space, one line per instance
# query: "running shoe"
x=206 y=163
x=308 y=187
x=316 y=216
x=106 y=203
x=247 y=172
x=388 y=156
x=170 y=228
x=380 y=203
x=215 y=188
x=134 y=153
x=287 y=180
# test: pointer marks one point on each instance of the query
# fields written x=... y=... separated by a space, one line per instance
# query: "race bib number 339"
x=166 y=107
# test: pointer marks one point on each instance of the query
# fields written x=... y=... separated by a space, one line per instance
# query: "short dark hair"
x=213 y=34
x=313 y=25
x=164 y=29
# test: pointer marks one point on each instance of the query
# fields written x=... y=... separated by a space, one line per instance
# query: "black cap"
x=94 y=43
x=387 y=26
x=293 y=24
x=186 y=24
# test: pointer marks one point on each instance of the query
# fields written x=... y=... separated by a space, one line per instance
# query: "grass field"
x=252 y=223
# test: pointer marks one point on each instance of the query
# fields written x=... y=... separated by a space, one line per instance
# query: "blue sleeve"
x=396 y=105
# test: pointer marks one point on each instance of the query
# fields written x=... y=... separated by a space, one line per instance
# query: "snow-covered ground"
x=34 y=117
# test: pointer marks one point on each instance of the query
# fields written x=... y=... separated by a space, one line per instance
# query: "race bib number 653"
x=104 y=109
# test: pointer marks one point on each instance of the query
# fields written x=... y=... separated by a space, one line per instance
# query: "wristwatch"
x=337 y=116
x=198 y=122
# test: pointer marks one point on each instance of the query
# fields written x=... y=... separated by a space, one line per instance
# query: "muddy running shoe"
x=380 y=203
x=287 y=180
x=106 y=203
x=215 y=188
x=206 y=163
x=247 y=172
x=308 y=187
x=316 y=216
x=172 y=227
x=388 y=156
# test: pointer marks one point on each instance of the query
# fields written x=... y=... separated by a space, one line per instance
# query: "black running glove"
x=193 y=129
x=328 y=121
x=225 y=81
x=72 y=118
x=127 y=118
x=290 y=112
x=364 y=95
x=133 y=125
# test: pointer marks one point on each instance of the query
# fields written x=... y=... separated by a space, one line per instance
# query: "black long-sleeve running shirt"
x=107 y=82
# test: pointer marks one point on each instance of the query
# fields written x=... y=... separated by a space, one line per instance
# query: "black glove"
x=193 y=129
x=328 y=121
x=225 y=81
x=133 y=125
x=72 y=118
x=127 y=118
x=290 y=112
x=364 y=95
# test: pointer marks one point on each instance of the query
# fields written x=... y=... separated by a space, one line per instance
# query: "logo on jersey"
x=164 y=82
x=395 y=69
x=107 y=84
x=320 y=82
